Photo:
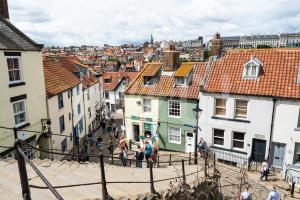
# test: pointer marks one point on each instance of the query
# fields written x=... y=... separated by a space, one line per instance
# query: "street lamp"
x=197 y=111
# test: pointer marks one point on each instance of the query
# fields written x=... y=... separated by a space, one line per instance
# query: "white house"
x=251 y=103
x=63 y=97
x=23 y=96
x=114 y=84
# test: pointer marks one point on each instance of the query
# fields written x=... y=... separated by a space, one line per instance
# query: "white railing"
x=293 y=174
x=237 y=159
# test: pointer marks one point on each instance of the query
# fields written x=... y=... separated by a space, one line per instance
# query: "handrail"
x=37 y=171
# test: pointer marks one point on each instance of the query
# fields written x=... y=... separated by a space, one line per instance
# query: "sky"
x=98 y=22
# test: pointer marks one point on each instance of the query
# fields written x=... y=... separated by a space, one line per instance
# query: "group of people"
x=247 y=195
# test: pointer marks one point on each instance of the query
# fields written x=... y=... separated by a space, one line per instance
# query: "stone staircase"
x=70 y=172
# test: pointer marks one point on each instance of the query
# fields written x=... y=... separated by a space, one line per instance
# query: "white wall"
x=133 y=109
x=259 y=115
x=78 y=99
x=285 y=124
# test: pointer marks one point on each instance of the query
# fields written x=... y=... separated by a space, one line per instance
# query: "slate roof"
x=116 y=79
x=57 y=78
x=277 y=78
x=166 y=84
x=12 y=38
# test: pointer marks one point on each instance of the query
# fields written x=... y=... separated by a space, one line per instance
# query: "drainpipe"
x=48 y=117
x=271 y=129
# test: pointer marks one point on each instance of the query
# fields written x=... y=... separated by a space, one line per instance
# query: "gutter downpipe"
x=271 y=130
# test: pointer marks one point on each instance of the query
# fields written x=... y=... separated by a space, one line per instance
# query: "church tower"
x=151 y=39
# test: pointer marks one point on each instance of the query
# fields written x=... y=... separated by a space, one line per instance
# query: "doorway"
x=278 y=153
x=189 y=142
x=258 y=150
x=136 y=132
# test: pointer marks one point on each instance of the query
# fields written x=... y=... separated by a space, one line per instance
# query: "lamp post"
x=197 y=111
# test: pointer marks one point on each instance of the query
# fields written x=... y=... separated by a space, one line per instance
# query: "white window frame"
x=251 y=75
x=147 y=106
x=215 y=107
x=237 y=148
x=174 y=116
x=20 y=68
x=213 y=134
x=25 y=110
x=237 y=117
x=173 y=141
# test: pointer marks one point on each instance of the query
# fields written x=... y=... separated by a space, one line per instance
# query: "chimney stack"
x=171 y=58
x=4 y=9
x=216 y=49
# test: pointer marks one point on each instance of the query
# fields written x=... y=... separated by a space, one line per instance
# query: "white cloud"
x=95 y=22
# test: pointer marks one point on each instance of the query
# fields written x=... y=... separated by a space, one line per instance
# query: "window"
x=106 y=94
x=149 y=80
x=14 y=69
x=241 y=109
x=78 y=89
x=174 y=108
x=220 y=107
x=60 y=101
x=107 y=80
x=80 y=125
x=251 y=68
x=20 y=112
x=238 y=140
x=78 y=109
x=180 y=81
x=174 y=135
x=88 y=94
x=90 y=113
x=64 y=145
x=146 y=105
x=62 y=123
x=69 y=93
x=218 y=137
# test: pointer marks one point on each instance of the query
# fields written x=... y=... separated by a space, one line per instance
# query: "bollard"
x=170 y=160
x=190 y=158
x=112 y=155
x=214 y=162
x=183 y=172
x=103 y=181
x=22 y=172
x=151 y=177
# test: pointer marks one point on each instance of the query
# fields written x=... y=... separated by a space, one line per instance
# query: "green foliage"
x=263 y=46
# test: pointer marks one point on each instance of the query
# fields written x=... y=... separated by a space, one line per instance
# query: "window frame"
x=174 y=116
x=25 y=111
x=61 y=130
x=169 y=138
x=20 y=69
x=250 y=65
x=60 y=99
x=215 y=107
x=149 y=107
x=220 y=145
x=237 y=148
x=235 y=108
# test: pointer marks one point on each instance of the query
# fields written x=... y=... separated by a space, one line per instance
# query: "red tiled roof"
x=116 y=77
x=57 y=77
x=166 y=84
x=278 y=75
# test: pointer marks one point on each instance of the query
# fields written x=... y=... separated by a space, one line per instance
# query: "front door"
x=189 y=142
x=258 y=150
x=136 y=132
x=278 y=154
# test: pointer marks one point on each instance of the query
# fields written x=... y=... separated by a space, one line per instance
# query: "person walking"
x=202 y=147
x=110 y=145
x=274 y=195
x=148 y=152
x=116 y=134
x=154 y=155
x=139 y=157
x=246 y=195
x=124 y=147
x=99 y=143
x=265 y=170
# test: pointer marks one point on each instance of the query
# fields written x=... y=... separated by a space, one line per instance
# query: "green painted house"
x=166 y=93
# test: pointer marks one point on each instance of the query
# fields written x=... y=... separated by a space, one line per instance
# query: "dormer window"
x=252 y=68
x=107 y=80
x=184 y=75
x=149 y=80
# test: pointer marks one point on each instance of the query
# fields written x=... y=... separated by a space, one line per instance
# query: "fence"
x=22 y=158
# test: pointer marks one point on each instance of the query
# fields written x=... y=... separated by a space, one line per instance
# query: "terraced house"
x=159 y=103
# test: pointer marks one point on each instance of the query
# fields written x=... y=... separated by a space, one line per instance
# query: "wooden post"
x=214 y=162
x=151 y=177
x=103 y=180
x=205 y=164
x=22 y=172
x=112 y=155
x=136 y=158
x=170 y=160
x=190 y=157
x=183 y=172
x=158 y=161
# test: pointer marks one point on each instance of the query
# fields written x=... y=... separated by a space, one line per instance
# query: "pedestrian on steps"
x=246 y=195
x=274 y=195
x=265 y=170
x=148 y=152
x=139 y=157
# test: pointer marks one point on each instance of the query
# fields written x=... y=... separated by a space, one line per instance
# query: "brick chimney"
x=4 y=9
x=216 y=49
x=171 y=58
